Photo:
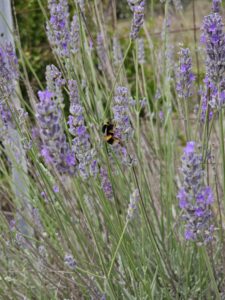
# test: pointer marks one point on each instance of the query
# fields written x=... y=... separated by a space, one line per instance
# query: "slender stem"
x=117 y=249
x=222 y=150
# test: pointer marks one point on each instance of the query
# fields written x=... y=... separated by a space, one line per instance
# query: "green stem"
x=117 y=249
x=222 y=150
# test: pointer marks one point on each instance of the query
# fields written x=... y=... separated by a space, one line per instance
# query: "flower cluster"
x=123 y=129
x=120 y=109
x=55 y=149
x=195 y=198
x=185 y=77
x=134 y=199
x=8 y=76
x=63 y=37
x=58 y=26
x=55 y=82
x=213 y=38
x=70 y=262
x=82 y=147
x=8 y=70
x=138 y=17
x=213 y=96
x=106 y=184
x=216 y=6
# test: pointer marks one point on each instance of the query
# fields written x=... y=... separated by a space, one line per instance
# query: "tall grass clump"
x=123 y=194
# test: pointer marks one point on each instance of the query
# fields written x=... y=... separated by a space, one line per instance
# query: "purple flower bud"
x=56 y=189
x=70 y=262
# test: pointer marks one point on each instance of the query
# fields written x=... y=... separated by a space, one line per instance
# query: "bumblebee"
x=108 y=129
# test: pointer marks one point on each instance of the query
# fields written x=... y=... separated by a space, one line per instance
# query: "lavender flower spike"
x=120 y=109
x=55 y=149
x=106 y=184
x=81 y=142
x=185 y=77
x=58 y=26
x=216 y=6
x=123 y=129
x=195 y=199
x=213 y=38
x=8 y=70
x=8 y=76
x=55 y=83
x=138 y=18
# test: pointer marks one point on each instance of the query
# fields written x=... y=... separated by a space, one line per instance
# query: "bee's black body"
x=108 y=130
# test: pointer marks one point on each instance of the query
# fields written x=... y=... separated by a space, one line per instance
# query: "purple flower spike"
x=81 y=143
x=216 y=6
x=138 y=17
x=58 y=27
x=106 y=184
x=120 y=109
x=123 y=129
x=195 y=199
x=184 y=75
x=8 y=76
x=214 y=40
x=55 y=148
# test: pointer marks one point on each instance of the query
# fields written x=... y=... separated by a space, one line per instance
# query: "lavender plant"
x=85 y=186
